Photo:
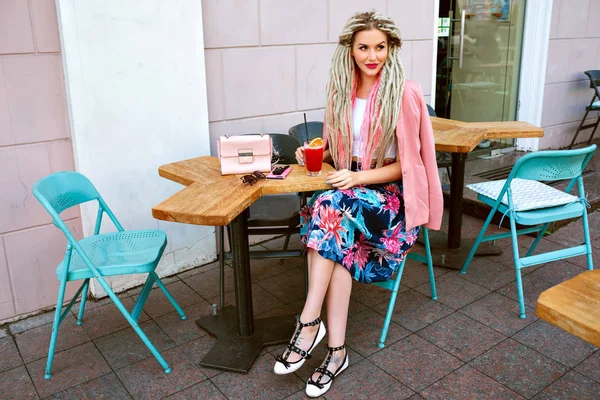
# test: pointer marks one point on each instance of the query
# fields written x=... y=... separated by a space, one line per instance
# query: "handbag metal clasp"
x=245 y=156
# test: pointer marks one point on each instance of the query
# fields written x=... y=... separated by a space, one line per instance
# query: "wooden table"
x=459 y=138
x=212 y=199
x=574 y=306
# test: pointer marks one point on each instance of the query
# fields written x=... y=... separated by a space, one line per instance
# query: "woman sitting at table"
x=386 y=185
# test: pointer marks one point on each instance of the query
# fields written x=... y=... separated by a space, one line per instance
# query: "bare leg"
x=320 y=271
x=338 y=301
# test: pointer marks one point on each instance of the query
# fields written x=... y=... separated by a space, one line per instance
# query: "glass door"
x=479 y=55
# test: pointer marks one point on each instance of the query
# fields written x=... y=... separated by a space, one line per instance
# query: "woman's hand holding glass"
x=300 y=155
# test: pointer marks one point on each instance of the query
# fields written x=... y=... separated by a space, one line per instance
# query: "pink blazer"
x=423 y=199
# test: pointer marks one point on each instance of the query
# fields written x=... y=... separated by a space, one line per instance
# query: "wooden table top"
x=574 y=306
x=214 y=199
x=462 y=137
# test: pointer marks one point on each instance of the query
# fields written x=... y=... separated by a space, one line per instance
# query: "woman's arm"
x=345 y=179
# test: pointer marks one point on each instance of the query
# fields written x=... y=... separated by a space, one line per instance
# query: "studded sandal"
x=318 y=388
x=282 y=365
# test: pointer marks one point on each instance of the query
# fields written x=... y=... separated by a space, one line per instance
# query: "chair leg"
x=429 y=264
x=578 y=129
x=142 y=297
x=169 y=296
x=517 y=263
x=55 y=326
x=537 y=240
x=586 y=236
x=449 y=173
x=83 y=299
x=134 y=325
x=594 y=131
x=478 y=241
x=390 y=311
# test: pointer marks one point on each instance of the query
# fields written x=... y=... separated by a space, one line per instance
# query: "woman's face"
x=370 y=50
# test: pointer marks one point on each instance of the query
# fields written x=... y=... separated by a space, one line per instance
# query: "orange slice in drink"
x=316 y=142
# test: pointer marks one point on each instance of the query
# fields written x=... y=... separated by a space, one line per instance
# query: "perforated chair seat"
x=127 y=252
x=274 y=207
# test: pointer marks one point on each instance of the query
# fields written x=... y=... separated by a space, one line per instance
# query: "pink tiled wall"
x=34 y=141
x=267 y=60
x=574 y=48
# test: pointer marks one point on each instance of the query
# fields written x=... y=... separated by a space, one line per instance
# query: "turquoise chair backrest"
x=553 y=165
x=63 y=190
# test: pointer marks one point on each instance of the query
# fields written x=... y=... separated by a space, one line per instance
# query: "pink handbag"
x=244 y=154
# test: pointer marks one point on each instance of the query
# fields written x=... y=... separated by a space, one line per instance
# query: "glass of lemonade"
x=313 y=156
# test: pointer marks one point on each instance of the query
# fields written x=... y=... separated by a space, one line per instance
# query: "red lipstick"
x=371 y=66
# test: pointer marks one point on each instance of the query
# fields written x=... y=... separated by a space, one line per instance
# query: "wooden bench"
x=574 y=306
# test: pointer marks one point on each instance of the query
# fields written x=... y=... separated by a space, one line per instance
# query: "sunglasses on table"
x=251 y=179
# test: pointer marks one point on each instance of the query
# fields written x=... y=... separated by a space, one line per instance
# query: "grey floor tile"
x=9 y=355
x=70 y=368
x=519 y=368
x=157 y=303
x=500 y=313
x=364 y=330
x=126 y=347
x=488 y=273
x=259 y=382
x=415 y=362
x=183 y=331
x=107 y=319
x=105 y=387
x=461 y=336
x=591 y=367
x=371 y=295
x=16 y=384
x=364 y=380
x=33 y=344
x=571 y=386
x=414 y=311
x=31 y=322
x=555 y=343
x=146 y=379
x=454 y=291
x=467 y=383
x=204 y=390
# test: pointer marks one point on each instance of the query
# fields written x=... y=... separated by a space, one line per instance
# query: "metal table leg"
x=240 y=337
x=451 y=252
x=456 y=195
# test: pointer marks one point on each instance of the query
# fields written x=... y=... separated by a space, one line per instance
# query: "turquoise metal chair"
x=393 y=285
x=552 y=165
x=100 y=255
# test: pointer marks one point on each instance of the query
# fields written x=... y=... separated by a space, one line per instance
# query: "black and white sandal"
x=318 y=388
x=282 y=365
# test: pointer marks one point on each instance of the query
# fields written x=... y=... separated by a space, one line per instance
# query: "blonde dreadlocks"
x=341 y=92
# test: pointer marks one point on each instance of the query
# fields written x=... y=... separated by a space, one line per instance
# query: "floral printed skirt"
x=362 y=228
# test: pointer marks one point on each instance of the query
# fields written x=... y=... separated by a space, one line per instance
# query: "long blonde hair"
x=385 y=98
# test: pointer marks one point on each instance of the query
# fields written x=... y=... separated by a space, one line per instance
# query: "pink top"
x=423 y=199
